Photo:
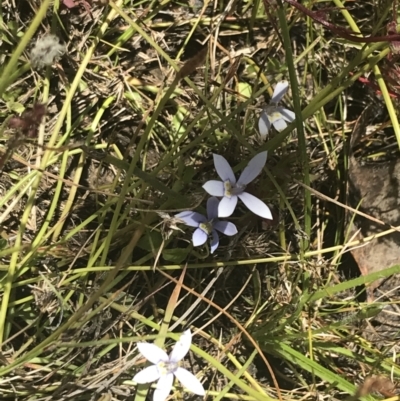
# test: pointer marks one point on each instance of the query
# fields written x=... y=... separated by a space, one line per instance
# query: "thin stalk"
x=304 y=162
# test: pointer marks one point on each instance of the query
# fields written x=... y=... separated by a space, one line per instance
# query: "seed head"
x=46 y=51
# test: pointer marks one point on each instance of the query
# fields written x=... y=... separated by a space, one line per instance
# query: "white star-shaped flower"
x=276 y=115
x=206 y=226
x=231 y=190
x=165 y=367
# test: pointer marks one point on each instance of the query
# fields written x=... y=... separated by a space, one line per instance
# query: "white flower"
x=275 y=115
x=230 y=189
x=206 y=226
x=165 y=367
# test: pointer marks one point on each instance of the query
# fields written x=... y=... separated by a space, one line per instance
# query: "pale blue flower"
x=230 y=190
x=207 y=226
x=165 y=367
x=276 y=115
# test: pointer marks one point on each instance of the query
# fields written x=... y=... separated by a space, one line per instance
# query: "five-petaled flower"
x=165 y=367
x=275 y=115
x=230 y=190
x=207 y=225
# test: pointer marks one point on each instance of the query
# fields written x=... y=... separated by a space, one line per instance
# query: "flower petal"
x=256 y=205
x=214 y=188
x=199 y=237
x=147 y=375
x=212 y=208
x=227 y=206
x=288 y=115
x=181 y=347
x=223 y=169
x=152 y=353
x=226 y=227
x=280 y=124
x=264 y=124
x=192 y=219
x=253 y=168
x=190 y=381
x=280 y=90
x=214 y=241
x=164 y=386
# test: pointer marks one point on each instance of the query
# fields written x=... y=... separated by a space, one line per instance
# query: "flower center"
x=166 y=367
x=206 y=227
x=273 y=114
x=227 y=189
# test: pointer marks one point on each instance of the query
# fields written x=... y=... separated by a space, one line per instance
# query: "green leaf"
x=245 y=89
x=151 y=241
x=3 y=243
x=15 y=107
x=297 y=358
x=328 y=292
x=188 y=174
x=176 y=255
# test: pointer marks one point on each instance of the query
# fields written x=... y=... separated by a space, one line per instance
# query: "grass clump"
x=114 y=136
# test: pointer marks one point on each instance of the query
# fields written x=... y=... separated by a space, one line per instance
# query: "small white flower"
x=206 y=226
x=165 y=367
x=275 y=115
x=230 y=189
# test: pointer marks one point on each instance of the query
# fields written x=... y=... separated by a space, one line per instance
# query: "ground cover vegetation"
x=181 y=190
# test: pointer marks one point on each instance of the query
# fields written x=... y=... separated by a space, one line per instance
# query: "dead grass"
x=90 y=266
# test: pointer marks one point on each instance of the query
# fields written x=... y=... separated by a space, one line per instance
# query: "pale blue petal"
x=189 y=381
x=147 y=375
x=212 y=208
x=214 y=241
x=253 y=169
x=214 y=188
x=256 y=205
x=226 y=227
x=164 y=386
x=264 y=125
x=152 y=353
x=223 y=169
x=182 y=346
x=287 y=115
x=192 y=219
x=227 y=206
x=280 y=90
x=199 y=237
x=280 y=124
